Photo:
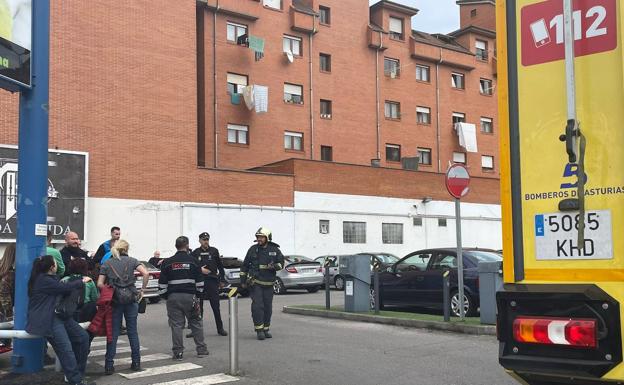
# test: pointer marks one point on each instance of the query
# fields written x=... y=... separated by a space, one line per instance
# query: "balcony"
x=302 y=20
x=376 y=38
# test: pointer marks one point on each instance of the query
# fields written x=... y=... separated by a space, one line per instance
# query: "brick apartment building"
x=151 y=91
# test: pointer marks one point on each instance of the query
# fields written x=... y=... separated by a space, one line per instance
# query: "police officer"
x=258 y=273
x=210 y=263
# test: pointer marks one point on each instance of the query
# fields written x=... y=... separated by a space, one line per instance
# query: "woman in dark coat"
x=44 y=288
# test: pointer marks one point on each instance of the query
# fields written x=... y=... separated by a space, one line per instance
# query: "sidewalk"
x=471 y=325
x=45 y=377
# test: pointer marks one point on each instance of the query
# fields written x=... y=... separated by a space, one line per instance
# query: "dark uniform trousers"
x=211 y=293
x=261 y=306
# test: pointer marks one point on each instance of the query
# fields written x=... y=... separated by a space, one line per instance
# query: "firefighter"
x=258 y=274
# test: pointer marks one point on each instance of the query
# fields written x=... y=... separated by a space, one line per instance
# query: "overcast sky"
x=435 y=15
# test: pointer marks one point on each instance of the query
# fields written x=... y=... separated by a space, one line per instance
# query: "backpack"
x=68 y=304
x=123 y=294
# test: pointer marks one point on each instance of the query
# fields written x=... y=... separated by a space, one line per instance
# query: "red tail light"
x=320 y=270
x=155 y=274
x=291 y=269
x=555 y=331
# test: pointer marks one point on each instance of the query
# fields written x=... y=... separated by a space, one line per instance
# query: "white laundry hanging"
x=467 y=133
x=261 y=98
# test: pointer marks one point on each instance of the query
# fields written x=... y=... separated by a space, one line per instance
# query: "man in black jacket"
x=181 y=283
x=210 y=263
x=72 y=250
x=258 y=273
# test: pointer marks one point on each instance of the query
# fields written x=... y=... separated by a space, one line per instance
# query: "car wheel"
x=372 y=300
x=154 y=300
x=278 y=287
x=339 y=282
x=469 y=307
x=313 y=289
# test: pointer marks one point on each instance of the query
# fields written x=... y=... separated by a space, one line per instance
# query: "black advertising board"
x=67 y=192
x=15 y=43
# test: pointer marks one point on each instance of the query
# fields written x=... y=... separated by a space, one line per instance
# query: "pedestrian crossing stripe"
x=102 y=352
x=103 y=343
x=147 y=358
x=160 y=370
x=219 y=378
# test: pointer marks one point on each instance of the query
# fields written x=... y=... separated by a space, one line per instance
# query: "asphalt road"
x=308 y=350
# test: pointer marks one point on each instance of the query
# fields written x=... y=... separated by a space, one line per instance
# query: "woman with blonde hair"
x=118 y=272
x=7 y=287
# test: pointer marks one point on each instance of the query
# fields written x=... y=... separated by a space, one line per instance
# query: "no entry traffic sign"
x=457 y=181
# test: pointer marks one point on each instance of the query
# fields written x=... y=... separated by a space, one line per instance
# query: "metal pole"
x=460 y=260
x=327 y=292
x=32 y=182
x=233 y=301
x=446 y=295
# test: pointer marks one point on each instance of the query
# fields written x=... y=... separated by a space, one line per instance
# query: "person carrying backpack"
x=118 y=272
x=86 y=308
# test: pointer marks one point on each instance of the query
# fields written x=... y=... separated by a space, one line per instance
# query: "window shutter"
x=237 y=79
x=272 y=3
x=487 y=161
x=423 y=109
x=480 y=45
x=292 y=89
x=237 y=127
x=459 y=157
x=396 y=25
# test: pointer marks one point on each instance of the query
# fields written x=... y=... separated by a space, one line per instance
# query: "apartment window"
x=486 y=125
x=423 y=115
x=325 y=62
x=392 y=110
x=234 y=31
x=457 y=80
x=481 y=50
x=326 y=109
x=275 y=4
x=354 y=232
x=392 y=67
x=459 y=157
x=324 y=226
x=393 y=152
x=487 y=162
x=292 y=44
x=422 y=73
x=236 y=83
x=396 y=28
x=327 y=153
x=424 y=156
x=392 y=233
x=473 y=13
x=237 y=134
x=441 y=222
x=324 y=15
x=458 y=117
x=417 y=221
x=293 y=141
x=485 y=86
x=293 y=93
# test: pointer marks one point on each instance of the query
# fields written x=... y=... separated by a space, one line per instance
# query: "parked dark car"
x=231 y=266
x=416 y=279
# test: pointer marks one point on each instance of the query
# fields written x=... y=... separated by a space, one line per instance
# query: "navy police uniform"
x=209 y=258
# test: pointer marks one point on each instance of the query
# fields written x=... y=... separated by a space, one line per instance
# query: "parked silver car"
x=299 y=272
x=151 y=292
x=335 y=279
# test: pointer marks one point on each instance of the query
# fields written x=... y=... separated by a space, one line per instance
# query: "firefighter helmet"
x=265 y=232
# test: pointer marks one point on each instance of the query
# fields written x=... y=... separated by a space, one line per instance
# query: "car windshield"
x=387 y=258
x=231 y=262
x=298 y=258
x=149 y=266
x=485 y=256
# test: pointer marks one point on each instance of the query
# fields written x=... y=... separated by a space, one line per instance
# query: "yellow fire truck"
x=561 y=103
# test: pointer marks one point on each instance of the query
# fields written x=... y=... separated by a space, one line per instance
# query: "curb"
x=433 y=325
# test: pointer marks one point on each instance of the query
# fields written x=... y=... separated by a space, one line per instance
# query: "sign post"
x=32 y=184
x=457 y=180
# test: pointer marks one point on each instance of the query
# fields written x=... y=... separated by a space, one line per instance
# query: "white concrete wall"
x=150 y=226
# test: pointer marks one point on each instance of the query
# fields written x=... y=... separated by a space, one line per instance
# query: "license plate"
x=556 y=236
x=308 y=271
x=235 y=275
